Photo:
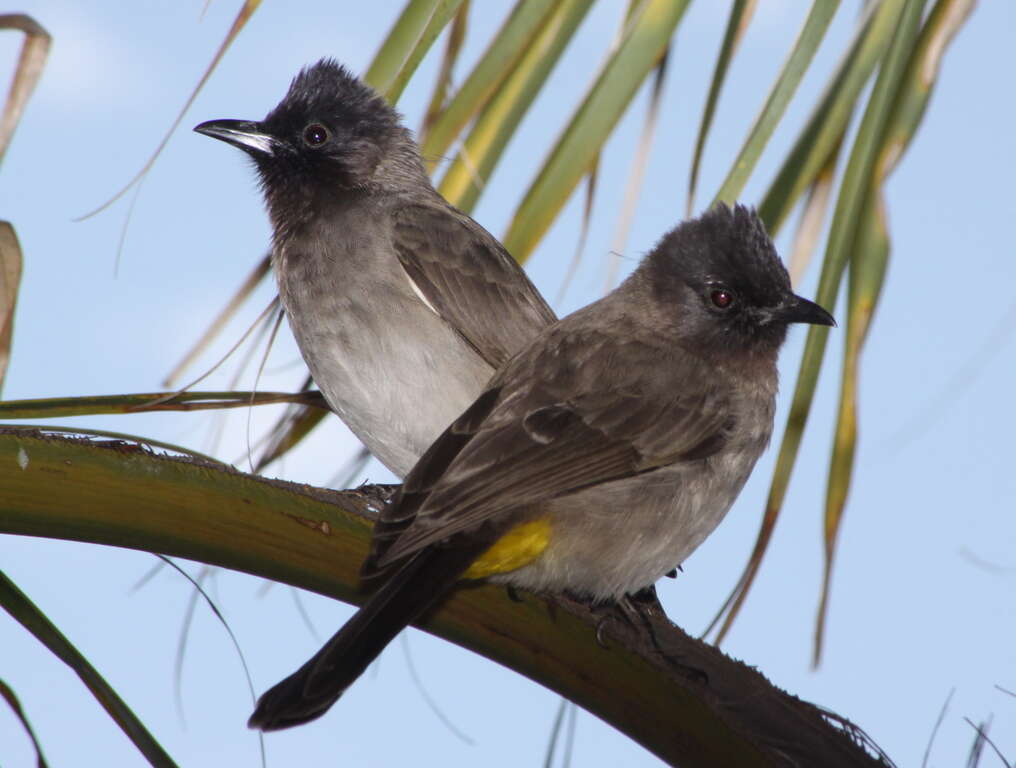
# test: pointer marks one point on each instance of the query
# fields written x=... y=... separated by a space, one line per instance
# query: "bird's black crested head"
x=721 y=281
x=332 y=126
x=330 y=132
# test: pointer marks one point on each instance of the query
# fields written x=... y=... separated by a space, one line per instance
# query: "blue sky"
x=922 y=597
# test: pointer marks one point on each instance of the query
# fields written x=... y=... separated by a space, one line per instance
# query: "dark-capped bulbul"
x=596 y=460
x=402 y=306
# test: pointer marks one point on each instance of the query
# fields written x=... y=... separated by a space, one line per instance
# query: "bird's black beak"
x=248 y=136
x=800 y=310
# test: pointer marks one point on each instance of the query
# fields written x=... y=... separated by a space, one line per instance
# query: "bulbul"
x=402 y=306
x=596 y=460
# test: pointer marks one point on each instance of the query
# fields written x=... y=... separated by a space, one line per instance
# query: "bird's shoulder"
x=467 y=277
x=623 y=383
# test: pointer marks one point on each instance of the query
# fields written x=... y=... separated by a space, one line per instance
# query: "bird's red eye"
x=315 y=134
x=721 y=298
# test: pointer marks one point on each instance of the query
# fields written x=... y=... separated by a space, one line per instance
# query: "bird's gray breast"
x=392 y=369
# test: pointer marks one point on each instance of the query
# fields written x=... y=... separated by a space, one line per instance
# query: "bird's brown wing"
x=522 y=444
x=469 y=279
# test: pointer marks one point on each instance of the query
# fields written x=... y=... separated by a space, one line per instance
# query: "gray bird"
x=402 y=306
x=596 y=460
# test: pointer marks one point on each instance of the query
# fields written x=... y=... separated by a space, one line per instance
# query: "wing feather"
x=523 y=444
x=469 y=279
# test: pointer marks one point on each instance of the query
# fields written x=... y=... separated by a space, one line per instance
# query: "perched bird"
x=596 y=460
x=403 y=307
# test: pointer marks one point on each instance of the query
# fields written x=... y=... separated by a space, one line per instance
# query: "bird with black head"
x=402 y=306
x=596 y=460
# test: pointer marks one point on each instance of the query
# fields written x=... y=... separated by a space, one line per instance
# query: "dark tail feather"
x=313 y=688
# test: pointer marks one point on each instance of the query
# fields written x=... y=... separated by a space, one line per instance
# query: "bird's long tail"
x=311 y=690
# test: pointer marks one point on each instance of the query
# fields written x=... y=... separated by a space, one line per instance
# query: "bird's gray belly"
x=392 y=369
x=621 y=537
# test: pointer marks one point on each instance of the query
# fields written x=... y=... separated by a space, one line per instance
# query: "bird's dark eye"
x=314 y=135
x=721 y=298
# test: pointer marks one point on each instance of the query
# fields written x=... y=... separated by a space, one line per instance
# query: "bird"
x=402 y=306
x=596 y=459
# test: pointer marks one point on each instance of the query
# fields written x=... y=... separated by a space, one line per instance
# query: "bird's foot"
x=642 y=612
x=632 y=610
